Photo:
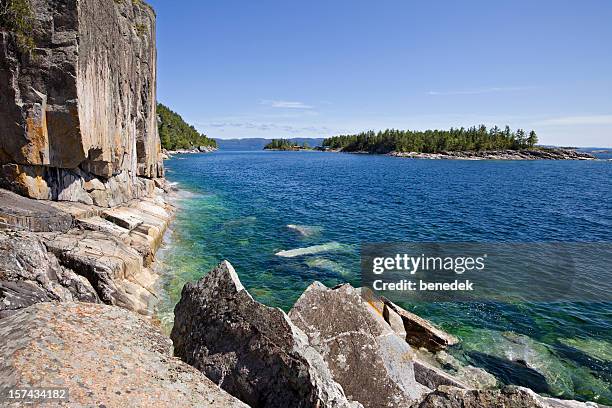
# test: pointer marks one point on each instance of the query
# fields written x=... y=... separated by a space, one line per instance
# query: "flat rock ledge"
x=69 y=251
x=104 y=355
x=527 y=154
x=252 y=351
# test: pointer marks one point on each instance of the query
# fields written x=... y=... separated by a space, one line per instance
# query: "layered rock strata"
x=77 y=111
x=62 y=251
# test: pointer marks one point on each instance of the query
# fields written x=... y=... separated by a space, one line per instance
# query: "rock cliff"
x=78 y=110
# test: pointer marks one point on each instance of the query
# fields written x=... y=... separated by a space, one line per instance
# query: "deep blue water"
x=239 y=204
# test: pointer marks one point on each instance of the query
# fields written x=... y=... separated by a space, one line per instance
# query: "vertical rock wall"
x=77 y=113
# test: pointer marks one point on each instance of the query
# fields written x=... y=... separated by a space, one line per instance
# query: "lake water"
x=237 y=206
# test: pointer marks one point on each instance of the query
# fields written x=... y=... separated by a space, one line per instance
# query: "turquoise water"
x=238 y=205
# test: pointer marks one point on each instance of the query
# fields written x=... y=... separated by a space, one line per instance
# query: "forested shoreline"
x=476 y=138
x=175 y=133
x=285 y=144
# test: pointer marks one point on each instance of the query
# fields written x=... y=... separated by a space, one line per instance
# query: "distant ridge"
x=259 y=143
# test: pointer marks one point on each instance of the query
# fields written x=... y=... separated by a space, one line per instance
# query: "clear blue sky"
x=313 y=68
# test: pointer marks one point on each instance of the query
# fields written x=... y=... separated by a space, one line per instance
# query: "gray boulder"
x=28 y=275
x=104 y=355
x=372 y=363
x=252 y=351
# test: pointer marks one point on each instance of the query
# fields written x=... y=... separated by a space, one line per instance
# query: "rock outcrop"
x=29 y=274
x=104 y=356
x=17 y=212
x=372 y=363
x=252 y=351
x=62 y=251
x=77 y=111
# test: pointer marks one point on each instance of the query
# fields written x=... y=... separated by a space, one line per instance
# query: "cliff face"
x=77 y=113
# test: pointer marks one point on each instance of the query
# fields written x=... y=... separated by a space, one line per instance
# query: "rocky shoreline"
x=166 y=154
x=337 y=347
x=84 y=212
x=527 y=154
x=70 y=251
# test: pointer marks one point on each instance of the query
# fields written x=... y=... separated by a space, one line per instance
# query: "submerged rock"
x=304 y=230
x=519 y=360
x=372 y=363
x=508 y=397
x=105 y=356
x=328 y=265
x=315 y=249
x=252 y=351
x=472 y=377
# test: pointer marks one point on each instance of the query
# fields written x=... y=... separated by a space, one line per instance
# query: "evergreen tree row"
x=476 y=138
x=281 y=144
x=175 y=133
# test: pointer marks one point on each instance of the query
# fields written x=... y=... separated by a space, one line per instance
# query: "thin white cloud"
x=285 y=104
x=577 y=120
x=480 y=91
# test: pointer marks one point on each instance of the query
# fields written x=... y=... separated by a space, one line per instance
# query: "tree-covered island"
x=476 y=138
x=285 y=144
x=176 y=134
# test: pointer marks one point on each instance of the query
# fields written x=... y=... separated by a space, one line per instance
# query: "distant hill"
x=175 y=133
x=259 y=143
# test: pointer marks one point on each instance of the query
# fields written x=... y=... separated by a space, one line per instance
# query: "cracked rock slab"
x=418 y=331
x=114 y=269
x=372 y=363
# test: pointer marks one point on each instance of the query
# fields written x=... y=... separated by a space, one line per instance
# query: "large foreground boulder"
x=372 y=363
x=252 y=351
x=103 y=355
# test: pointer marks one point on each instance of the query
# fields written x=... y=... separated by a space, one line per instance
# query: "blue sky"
x=315 y=68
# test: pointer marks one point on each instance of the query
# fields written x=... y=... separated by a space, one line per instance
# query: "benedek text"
x=421 y=285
